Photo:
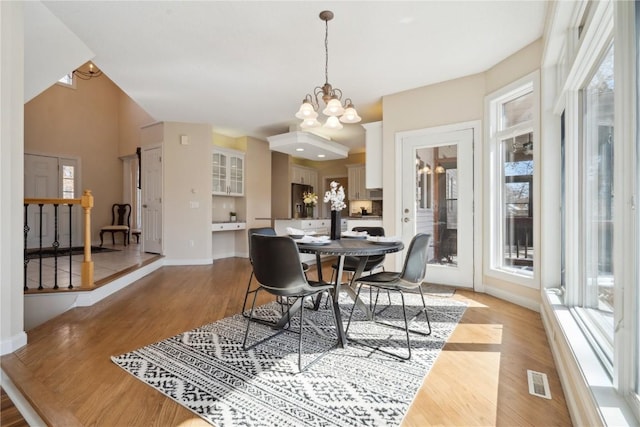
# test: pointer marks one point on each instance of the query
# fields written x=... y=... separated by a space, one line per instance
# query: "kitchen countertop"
x=378 y=217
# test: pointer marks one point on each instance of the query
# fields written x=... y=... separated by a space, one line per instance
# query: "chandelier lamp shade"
x=336 y=111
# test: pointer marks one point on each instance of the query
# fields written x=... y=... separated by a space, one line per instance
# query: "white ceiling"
x=245 y=66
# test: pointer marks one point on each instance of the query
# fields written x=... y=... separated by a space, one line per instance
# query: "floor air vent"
x=538 y=384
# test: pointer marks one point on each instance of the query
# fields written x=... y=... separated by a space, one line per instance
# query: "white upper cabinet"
x=356 y=187
x=304 y=175
x=227 y=172
x=373 y=140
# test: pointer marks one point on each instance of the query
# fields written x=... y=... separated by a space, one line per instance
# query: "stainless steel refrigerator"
x=297 y=204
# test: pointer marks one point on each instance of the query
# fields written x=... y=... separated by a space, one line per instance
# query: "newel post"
x=87 y=264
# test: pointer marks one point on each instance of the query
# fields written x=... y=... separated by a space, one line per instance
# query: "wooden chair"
x=120 y=223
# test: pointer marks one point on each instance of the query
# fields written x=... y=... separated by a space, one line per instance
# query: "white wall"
x=12 y=334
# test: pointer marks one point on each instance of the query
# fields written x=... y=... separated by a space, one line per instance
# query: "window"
x=68 y=181
x=596 y=304
x=596 y=108
x=67 y=81
x=511 y=218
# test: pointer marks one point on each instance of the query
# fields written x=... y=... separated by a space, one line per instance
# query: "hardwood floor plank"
x=478 y=379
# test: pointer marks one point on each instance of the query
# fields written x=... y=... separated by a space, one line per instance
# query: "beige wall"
x=280 y=185
x=187 y=180
x=87 y=123
x=130 y=119
x=455 y=101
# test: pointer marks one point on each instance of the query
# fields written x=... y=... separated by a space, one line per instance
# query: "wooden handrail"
x=53 y=201
x=86 y=201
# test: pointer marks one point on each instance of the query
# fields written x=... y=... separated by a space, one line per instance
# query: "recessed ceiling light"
x=321 y=155
x=299 y=149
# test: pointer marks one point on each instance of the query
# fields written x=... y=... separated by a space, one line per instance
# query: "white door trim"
x=476 y=126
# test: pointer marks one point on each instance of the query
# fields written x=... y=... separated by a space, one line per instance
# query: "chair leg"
x=246 y=295
x=406 y=324
x=246 y=333
x=101 y=241
x=300 y=337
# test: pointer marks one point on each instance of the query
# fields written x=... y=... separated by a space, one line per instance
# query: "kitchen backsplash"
x=371 y=207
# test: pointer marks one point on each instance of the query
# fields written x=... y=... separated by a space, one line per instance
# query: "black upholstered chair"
x=410 y=279
x=264 y=231
x=120 y=223
x=278 y=270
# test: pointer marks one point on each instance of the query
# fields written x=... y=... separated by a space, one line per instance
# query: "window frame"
x=616 y=397
x=494 y=161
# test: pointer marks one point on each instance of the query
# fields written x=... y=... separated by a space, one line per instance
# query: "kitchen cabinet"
x=373 y=142
x=357 y=177
x=228 y=226
x=304 y=175
x=227 y=172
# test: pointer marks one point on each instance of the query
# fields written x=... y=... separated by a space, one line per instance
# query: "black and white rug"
x=207 y=371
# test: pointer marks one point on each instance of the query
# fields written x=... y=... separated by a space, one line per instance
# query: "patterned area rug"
x=207 y=371
x=438 y=290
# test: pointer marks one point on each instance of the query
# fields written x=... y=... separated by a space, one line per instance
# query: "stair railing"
x=87 y=269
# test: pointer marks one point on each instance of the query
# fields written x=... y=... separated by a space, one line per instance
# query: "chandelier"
x=331 y=96
x=88 y=74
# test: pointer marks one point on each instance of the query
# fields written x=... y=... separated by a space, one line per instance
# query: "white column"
x=12 y=334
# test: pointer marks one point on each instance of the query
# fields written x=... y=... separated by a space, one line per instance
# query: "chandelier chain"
x=326 y=51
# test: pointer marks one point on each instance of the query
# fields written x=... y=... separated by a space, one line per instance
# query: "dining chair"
x=120 y=223
x=264 y=231
x=351 y=262
x=278 y=270
x=410 y=278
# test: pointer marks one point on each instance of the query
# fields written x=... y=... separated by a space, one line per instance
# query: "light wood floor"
x=479 y=379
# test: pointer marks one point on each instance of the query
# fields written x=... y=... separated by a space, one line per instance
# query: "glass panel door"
x=438 y=200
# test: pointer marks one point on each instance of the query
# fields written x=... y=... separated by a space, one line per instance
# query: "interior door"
x=50 y=177
x=437 y=199
x=152 y=199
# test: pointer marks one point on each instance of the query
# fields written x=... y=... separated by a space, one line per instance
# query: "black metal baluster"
x=70 y=246
x=40 y=250
x=26 y=233
x=56 y=243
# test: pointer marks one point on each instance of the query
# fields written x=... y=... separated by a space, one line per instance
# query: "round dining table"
x=362 y=248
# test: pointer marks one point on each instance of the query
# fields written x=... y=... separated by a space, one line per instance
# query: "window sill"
x=590 y=389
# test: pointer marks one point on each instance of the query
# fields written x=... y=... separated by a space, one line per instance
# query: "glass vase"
x=309 y=211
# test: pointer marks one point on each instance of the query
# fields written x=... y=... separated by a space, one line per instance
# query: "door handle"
x=407 y=219
x=144 y=206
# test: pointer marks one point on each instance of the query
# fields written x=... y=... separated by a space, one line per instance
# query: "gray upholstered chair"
x=410 y=279
x=278 y=270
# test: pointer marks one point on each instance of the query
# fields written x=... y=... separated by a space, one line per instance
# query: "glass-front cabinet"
x=227 y=172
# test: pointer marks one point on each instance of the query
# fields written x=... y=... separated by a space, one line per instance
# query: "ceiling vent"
x=306 y=145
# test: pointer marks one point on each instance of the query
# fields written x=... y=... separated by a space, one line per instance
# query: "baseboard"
x=12 y=344
x=175 y=261
x=515 y=299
